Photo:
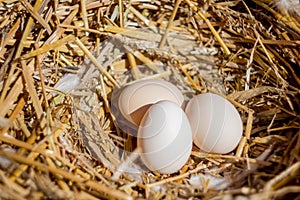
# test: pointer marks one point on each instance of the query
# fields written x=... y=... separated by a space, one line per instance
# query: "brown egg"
x=135 y=99
x=216 y=124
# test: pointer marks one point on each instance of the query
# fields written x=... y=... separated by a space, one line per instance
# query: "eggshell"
x=136 y=98
x=216 y=124
x=165 y=138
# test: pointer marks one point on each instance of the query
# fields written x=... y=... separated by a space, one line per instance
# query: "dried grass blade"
x=89 y=183
x=28 y=145
x=9 y=36
x=190 y=79
x=145 y=60
x=42 y=82
x=248 y=67
x=164 y=38
x=212 y=29
x=133 y=33
x=94 y=61
x=121 y=13
x=49 y=47
x=245 y=95
x=12 y=96
x=21 y=103
x=287 y=64
x=19 y=51
x=27 y=29
x=132 y=63
x=33 y=94
x=36 y=150
x=17 y=188
x=292 y=43
x=36 y=16
x=60 y=30
x=289 y=173
x=290 y=23
x=267 y=53
x=139 y=15
x=84 y=15
x=175 y=178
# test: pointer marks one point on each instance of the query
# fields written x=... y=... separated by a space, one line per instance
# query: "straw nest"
x=59 y=137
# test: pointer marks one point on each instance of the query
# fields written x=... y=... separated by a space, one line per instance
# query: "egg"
x=135 y=99
x=165 y=138
x=216 y=124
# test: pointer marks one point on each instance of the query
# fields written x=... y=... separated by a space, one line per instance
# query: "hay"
x=64 y=143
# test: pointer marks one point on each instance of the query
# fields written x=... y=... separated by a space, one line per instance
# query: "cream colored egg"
x=165 y=138
x=216 y=124
x=135 y=99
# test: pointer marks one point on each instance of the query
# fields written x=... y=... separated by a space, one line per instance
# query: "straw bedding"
x=62 y=61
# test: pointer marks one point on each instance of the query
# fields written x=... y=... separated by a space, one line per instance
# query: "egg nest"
x=61 y=61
